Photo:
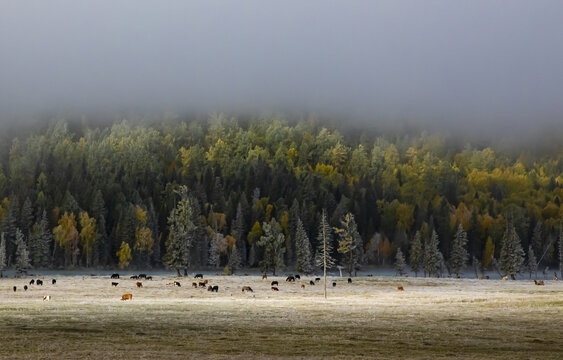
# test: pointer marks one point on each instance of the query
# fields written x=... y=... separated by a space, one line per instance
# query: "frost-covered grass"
x=369 y=318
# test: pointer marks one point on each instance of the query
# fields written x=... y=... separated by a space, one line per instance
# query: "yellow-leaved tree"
x=143 y=237
x=87 y=235
x=124 y=255
x=66 y=235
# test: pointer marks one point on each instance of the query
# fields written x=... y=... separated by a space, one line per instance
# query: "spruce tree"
x=26 y=218
x=531 y=264
x=561 y=250
x=234 y=260
x=350 y=242
x=2 y=254
x=511 y=252
x=22 y=255
x=416 y=255
x=432 y=255
x=272 y=241
x=238 y=229
x=400 y=263
x=459 y=255
x=303 y=249
x=214 y=251
x=325 y=233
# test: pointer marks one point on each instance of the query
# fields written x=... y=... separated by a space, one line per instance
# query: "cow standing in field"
x=126 y=297
x=15 y=288
x=143 y=276
x=200 y=276
x=215 y=288
x=25 y=288
x=349 y=280
x=302 y=286
x=297 y=276
x=317 y=279
x=139 y=284
x=274 y=283
x=264 y=276
x=135 y=277
x=400 y=288
x=290 y=278
x=47 y=298
x=274 y=288
x=247 y=288
x=39 y=282
x=333 y=284
x=115 y=276
x=148 y=278
x=177 y=283
x=54 y=281
x=202 y=284
x=194 y=285
x=32 y=282
x=114 y=284
x=311 y=283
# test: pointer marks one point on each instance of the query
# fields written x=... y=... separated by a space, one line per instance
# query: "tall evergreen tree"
x=22 y=255
x=40 y=242
x=350 y=242
x=303 y=249
x=400 y=263
x=26 y=217
x=432 y=255
x=234 y=260
x=511 y=252
x=561 y=250
x=238 y=231
x=459 y=254
x=10 y=227
x=2 y=254
x=532 y=263
x=272 y=241
x=416 y=257
x=324 y=244
x=214 y=251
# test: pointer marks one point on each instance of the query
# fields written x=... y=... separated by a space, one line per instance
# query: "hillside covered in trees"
x=228 y=193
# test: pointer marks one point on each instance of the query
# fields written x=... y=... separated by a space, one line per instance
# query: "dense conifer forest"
x=228 y=193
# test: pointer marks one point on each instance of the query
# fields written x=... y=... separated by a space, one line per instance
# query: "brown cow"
x=177 y=283
x=205 y=281
x=139 y=284
x=148 y=278
x=400 y=288
x=480 y=277
x=505 y=278
x=47 y=298
x=555 y=276
x=202 y=284
x=302 y=286
x=209 y=288
x=539 y=282
x=487 y=277
x=194 y=285
x=274 y=288
x=264 y=276
x=126 y=297
x=247 y=288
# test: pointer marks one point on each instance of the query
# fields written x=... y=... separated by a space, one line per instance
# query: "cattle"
x=275 y=282
x=139 y=284
x=169 y=284
x=194 y=285
x=115 y=276
x=47 y=298
x=148 y=278
x=349 y=280
x=177 y=283
x=555 y=276
x=407 y=275
x=317 y=279
x=297 y=276
x=54 y=281
x=15 y=288
x=209 y=288
x=512 y=277
x=480 y=277
x=264 y=276
x=247 y=288
x=505 y=278
x=205 y=281
x=370 y=275
x=311 y=282
x=126 y=297
x=290 y=278
x=114 y=283
x=202 y=284
x=133 y=277
x=274 y=288
x=39 y=282
x=333 y=284
x=400 y=288
x=458 y=277
x=539 y=282
x=198 y=276
x=487 y=277
x=215 y=288
x=302 y=286
x=25 y=288
x=142 y=276
x=32 y=282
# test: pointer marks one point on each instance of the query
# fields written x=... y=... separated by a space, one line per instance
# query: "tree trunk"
x=178 y=272
x=185 y=272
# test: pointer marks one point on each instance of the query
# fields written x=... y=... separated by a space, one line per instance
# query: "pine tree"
x=2 y=254
x=511 y=252
x=238 y=229
x=416 y=255
x=531 y=264
x=400 y=263
x=26 y=218
x=9 y=227
x=22 y=255
x=561 y=250
x=303 y=249
x=459 y=255
x=272 y=241
x=234 y=260
x=324 y=248
x=214 y=252
x=432 y=255
x=350 y=242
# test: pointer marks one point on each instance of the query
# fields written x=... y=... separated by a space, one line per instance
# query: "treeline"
x=229 y=193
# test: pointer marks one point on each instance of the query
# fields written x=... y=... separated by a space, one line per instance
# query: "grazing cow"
x=487 y=277
x=297 y=276
x=15 y=289
x=148 y=278
x=349 y=280
x=126 y=297
x=133 y=277
x=215 y=288
x=302 y=286
x=555 y=276
x=194 y=285
x=143 y=276
x=247 y=288
x=290 y=278
x=311 y=282
x=54 y=281
x=539 y=282
x=114 y=284
x=115 y=276
x=480 y=277
x=333 y=284
x=209 y=288
x=317 y=279
x=198 y=276
x=264 y=276
x=275 y=282
x=47 y=298
x=458 y=277
x=400 y=288
x=39 y=282
x=32 y=282
x=177 y=283
x=202 y=284
x=505 y=278
x=205 y=281
x=139 y=284
x=25 y=288
x=274 y=288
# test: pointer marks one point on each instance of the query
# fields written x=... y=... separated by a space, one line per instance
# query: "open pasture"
x=369 y=318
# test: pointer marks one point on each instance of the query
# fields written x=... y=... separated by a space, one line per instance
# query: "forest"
x=229 y=193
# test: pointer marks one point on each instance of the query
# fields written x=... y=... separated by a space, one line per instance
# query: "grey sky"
x=447 y=61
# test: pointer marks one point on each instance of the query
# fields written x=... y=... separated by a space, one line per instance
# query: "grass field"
x=431 y=318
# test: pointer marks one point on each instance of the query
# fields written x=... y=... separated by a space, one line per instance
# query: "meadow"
x=369 y=318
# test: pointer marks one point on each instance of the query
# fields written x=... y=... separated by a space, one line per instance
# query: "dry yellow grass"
x=431 y=318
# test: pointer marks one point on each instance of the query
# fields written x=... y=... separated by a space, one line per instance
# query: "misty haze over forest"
x=466 y=65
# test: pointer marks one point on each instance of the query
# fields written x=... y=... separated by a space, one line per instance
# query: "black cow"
x=275 y=282
x=317 y=279
x=142 y=276
x=311 y=282
x=349 y=280
x=215 y=288
x=198 y=276
x=149 y=277
x=39 y=282
x=115 y=276
x=15 y=289
x=290 y=278
x=25 y=288
x=333 y=284
x=177 y=283
x=133 y=277
x=297 y=277
x=32 y=282
x=54 y=281
x=114 y=283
